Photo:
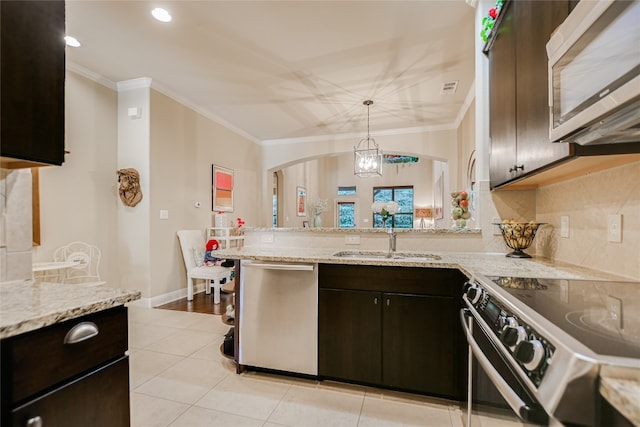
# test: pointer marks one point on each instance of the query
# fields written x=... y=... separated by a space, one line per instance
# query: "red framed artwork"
x=222 y=189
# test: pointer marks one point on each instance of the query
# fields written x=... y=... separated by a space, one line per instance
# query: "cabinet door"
x=32 y=80
x=349 y=339
x=98 y=399
x=420 y=344
x=502 y=101
x=535 y=22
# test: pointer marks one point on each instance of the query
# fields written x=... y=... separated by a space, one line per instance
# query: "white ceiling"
x=288 y=69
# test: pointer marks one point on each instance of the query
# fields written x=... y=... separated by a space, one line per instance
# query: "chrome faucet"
x=392 y=241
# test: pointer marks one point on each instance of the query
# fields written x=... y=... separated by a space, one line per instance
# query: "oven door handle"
x=511 y=397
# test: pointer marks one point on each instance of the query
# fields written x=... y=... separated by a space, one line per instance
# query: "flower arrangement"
x=236 y=225
x=319 y=206
x=489 y=21
x=386 y=209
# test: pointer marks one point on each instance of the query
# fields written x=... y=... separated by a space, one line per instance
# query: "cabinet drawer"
x=411 y=280
x=41 y=359
x=98 y=399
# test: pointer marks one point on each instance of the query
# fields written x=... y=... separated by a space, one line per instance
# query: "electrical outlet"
x=496 y=229
x=564 y=226
x=164 y=214
x=614 y=228
x=266 y=238
x=352 y=240
x=614 y=308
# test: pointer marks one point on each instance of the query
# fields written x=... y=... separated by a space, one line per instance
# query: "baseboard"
x=165 y=298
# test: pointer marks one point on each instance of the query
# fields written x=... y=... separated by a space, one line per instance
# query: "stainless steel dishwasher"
x=279 y=316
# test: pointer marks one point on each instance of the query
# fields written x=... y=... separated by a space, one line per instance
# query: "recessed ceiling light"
x=71 y=41
x=161 y=14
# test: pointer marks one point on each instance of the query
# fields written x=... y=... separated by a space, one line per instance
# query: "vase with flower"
x=317 y=208
x=386 y=210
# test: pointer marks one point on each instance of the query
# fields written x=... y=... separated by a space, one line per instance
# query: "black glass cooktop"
x=604 y=316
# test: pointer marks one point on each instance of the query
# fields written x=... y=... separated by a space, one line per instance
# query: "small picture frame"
x=301 y=201
x=305 y=224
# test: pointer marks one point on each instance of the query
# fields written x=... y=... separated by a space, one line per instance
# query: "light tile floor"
x=179 y=378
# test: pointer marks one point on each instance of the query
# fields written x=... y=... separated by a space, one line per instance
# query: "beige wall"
x=184 y=145
x=78 y=200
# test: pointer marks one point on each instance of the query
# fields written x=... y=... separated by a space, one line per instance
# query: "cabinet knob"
x=34 y=422
x=375 y=300
x=515 y=168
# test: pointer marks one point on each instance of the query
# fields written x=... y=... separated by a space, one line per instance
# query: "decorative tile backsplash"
x=15 y=225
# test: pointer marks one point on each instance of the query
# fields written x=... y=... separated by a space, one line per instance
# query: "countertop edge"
x=619 y=387
x=81 y=302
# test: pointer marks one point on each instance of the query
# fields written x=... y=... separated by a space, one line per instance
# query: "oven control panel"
x=531 y=350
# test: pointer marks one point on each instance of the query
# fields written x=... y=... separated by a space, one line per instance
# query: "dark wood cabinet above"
x=32 y=79
x=522 y=155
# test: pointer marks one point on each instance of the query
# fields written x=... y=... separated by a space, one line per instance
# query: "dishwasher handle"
x=279 y=266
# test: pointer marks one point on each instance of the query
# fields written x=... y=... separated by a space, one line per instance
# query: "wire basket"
x=518 y=236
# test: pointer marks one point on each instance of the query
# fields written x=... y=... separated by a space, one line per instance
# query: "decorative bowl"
x=518 y=236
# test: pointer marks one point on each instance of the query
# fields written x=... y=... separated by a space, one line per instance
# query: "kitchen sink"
x=405 y=256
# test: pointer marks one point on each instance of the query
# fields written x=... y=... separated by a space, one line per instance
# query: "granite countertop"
x=621 y=389
x=470 y=263
x=26 y=306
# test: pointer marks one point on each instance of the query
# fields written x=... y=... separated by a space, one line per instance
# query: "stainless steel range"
x=542 y=342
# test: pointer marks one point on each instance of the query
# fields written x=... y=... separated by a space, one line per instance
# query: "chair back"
x=190 y=240
x=88 y=258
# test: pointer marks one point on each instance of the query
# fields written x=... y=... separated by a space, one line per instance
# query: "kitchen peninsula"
x=63 y=344
x=466 y=264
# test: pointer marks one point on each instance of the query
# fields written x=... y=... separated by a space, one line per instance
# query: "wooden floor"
x=202 y=303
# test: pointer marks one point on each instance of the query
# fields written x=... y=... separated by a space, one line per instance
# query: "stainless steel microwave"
x=594 y=74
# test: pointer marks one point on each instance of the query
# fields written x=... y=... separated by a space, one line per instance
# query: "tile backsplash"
x=16 y=233
x=587 y=201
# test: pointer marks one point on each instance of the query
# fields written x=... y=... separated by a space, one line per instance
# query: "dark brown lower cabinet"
x=70 y=374
x=394 y=327
x=98 y=399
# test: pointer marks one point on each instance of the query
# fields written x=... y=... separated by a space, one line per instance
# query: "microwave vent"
x=449 y=88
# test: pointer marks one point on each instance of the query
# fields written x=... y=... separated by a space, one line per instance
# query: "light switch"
x=164 y=214
x=614 y=228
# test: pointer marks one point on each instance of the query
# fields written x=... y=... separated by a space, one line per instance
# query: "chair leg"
x=189 y=289
x=215 y=284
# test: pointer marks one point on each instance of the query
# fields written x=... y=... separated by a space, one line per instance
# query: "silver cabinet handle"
x=388 y=302
x=375 y=300
x=81 y=332
x=35 y=421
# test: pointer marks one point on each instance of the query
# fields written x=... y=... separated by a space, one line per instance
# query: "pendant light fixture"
x=367 y=156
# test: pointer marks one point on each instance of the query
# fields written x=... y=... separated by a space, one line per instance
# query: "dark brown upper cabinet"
x=32 y=79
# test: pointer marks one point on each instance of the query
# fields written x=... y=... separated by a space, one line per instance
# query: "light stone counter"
x=470 y=263
x=26 y=306
x=621 y=389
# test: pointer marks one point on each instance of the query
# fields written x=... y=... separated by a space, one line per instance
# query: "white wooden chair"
x=87 y=270
x=192 y=245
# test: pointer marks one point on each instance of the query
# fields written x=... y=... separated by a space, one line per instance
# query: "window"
x=346 y=214
x=401 y=195
x=347 y=191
